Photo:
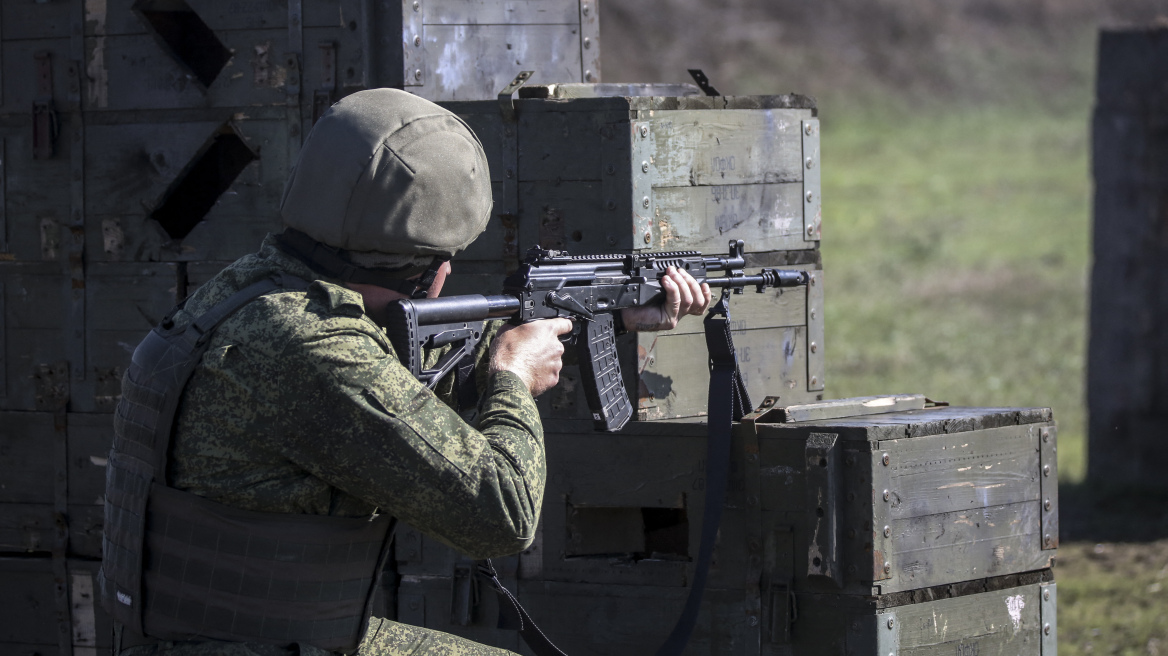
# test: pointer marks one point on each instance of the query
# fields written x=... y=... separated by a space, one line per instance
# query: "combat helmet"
x=386 y=186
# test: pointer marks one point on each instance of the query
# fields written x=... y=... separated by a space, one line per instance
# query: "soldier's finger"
x=695 y=290
x=559 y=325
x=709 y=297
x=684 y=291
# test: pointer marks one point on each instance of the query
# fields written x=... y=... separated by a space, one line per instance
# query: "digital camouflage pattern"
x=301 y=406
x=383 y=637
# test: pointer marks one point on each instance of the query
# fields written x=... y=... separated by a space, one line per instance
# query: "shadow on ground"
x=1093 y=512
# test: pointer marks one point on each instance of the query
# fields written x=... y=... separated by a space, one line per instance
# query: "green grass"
x=1113 y=599
x=956 y=251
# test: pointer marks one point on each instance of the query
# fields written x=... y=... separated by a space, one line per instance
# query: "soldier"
x=264 y=516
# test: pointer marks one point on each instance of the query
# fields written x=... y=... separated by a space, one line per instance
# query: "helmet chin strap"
x=329 y=261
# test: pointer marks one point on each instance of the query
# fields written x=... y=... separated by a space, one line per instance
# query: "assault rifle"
x=587 y=288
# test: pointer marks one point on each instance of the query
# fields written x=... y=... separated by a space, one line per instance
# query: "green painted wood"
x=767 y=216
x=502 y=12
x=675 y=384
x=35 y=307
x=29 y=20
x=1002 y=622
x=20 y=69
x=986 y=541
x=498 y=52
x=944 y=473
x=851 y=407
x=30 y=590
x=725 y=147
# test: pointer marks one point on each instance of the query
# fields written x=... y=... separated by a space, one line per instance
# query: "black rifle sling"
x=728 y=402
x=513 y=616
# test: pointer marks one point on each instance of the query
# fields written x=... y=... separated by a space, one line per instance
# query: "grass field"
x=956 y=251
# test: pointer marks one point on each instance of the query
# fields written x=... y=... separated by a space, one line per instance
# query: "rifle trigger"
x=569 y=303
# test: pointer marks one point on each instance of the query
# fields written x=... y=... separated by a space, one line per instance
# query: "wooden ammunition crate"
x=587 y=173
x=941 y=519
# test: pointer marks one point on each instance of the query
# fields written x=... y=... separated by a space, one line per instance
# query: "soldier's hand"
x=683 y=295
x=531 y=351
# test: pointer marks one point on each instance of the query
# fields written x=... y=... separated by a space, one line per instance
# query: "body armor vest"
x=177 y=566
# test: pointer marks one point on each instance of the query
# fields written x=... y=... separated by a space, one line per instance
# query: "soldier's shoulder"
x=335 y=300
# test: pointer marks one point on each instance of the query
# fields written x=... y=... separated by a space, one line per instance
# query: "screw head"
x=887 y=495
x=810 y=196
x=887 y=568
x=418 y=74
x=1046 y=470
x=1046 y=504
x=808 y=129
x=417 y=5
x=1046 y=595
x=584 y=9
x=587 y=43
x=887 y=531
x=810 y=163
x=417 y=40
x=645 y=202
x=891 y=622
x=814 y=380
x=813 y=346
x=644 y=167
x=588 y=77
x=885 y=459
x=611 y=205
x=648 y=238
x=611 y=239
x=811 y=279
x=810 y=230
x=1047 y=540
x=812 y=312
x=644 y=131
x=1046 y=629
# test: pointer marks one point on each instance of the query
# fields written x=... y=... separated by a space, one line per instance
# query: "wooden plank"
x=134 y=71
x=501 y=12
x=498 y=52
x=965 y=545
x=568 y=144
x=29 y=615
x=964 y=471
x=35 y=207
x=26 y=19
x=20 y=69
x=26 y=457
x=725 y=147
x=851 y=407
x=768 y=217
x=1001 y=622
x=36 y=298
x=125 y=300
x=155 y=155
x=676 y=384
x=936 y=421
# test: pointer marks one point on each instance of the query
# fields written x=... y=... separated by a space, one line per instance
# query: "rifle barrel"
x=766 y=278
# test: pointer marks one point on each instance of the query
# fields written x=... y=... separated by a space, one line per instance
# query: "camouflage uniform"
x=301 y=406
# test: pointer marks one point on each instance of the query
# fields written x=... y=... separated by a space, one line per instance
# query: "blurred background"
x=957 y=225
